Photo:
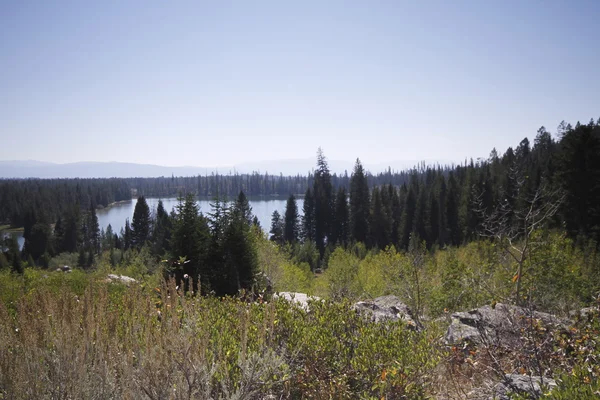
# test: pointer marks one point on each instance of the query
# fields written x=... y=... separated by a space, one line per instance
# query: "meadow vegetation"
x=75 y=335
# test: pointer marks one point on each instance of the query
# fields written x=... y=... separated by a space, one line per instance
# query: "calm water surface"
x=117 y=214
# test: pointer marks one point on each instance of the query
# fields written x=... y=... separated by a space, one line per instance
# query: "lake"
x=117 y=214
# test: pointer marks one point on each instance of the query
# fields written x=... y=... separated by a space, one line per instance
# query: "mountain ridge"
x=22 y=169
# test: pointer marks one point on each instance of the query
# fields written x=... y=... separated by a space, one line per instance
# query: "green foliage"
x=140 y=224
x=277 y=228
x=341 y=275
x=359 y=204
x=196 y=347
x=291 y=231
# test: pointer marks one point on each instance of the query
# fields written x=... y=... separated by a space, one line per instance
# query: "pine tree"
x=242 y=207
x=442 y=219
x=140 y=224
x=14 y=254
x=241 y=259
x=190 y=241
x=162 y=230
x=579 y=161
x=291 y=228
x=396 y=215
x=81 y=260
x=341 y=227
x=58 y=236
x=127 y=235
x=323 y=198
x=452 y=215
x=359 y=204
x=379 y=223
x=93 y=230
x=308 y=219
x=408 y=217
x=71 y=237
x=39 y=240
x=276 y=228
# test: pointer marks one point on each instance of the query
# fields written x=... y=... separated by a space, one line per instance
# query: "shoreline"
x=115 y=203
x=8 y=229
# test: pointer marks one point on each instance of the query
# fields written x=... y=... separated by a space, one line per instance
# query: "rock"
x=120 y=278
x=534 y=386
x=492 y=324
x=584 y=313
x=387 y=308
x=64 y=268
x=300 y=299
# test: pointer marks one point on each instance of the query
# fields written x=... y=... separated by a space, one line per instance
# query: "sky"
x=209 y=83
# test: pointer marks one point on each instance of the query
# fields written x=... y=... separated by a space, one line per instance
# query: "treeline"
x=47 y=199
x=210 y=253
x=18 y=198
x=438 y=206
x=559 y=177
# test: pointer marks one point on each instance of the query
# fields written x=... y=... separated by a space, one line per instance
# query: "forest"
x=519 y=228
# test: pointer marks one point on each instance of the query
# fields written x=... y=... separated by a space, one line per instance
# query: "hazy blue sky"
x=217 y=83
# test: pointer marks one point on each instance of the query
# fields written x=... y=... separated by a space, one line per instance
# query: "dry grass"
x=116 y=342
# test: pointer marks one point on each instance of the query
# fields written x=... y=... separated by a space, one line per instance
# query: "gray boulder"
x=300 y=299
x=492 y=324
x=534 y=386
x=120 y=279
x=387 y=308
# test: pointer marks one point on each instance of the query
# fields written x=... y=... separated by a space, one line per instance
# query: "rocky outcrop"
x=300 y=299
x=387 y=308
x=499 y=323
x=533 y=386
x=120 y=279
x=64 y=268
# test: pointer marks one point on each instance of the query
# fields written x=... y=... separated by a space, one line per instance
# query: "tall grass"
x=111 y=341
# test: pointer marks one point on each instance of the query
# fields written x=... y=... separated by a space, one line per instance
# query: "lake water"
x=118 y=213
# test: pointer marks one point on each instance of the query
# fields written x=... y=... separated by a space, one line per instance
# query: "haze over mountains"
x=40 y=169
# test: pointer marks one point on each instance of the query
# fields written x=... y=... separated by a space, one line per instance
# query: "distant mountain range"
x=40 y=169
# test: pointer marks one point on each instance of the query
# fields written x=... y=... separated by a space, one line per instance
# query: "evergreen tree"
x=276 y=228
x=14 y=255
x=291 y=227
x=140 y=224
x=396 y=215
x=380 y=223
x=39 y=240
x=190 y=241
x=241 y=259
x=341 y=228
x=93 y=231
x=421 y=223
x=452 y=216
x=81 y=260
x=162 y=230
x=407 y=219
x=71 y=237
x=323 y=200
x=579 y=175
x=108 y=239
x=442 y=217
x=308 y=219
x=127 y=236
x=58 y=237
x=359 y=204
x=242 y=208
